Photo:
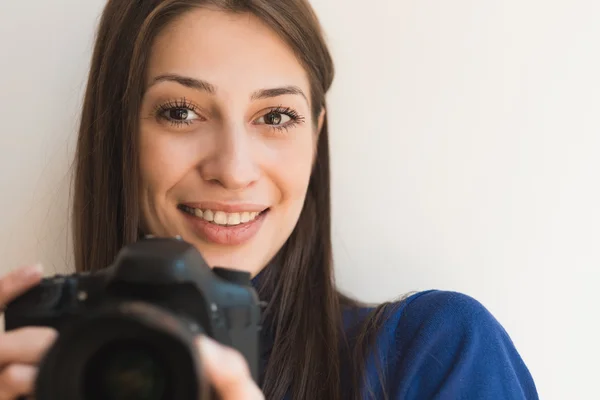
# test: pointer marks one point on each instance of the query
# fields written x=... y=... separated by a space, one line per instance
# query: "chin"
x=236 y=257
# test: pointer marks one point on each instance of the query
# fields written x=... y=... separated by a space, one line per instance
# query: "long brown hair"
x=304 y=305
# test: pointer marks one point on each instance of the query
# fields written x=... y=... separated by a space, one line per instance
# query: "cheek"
x=159 y=169
x=292 y=169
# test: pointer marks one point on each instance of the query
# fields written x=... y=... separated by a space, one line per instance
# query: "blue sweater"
x=441 y=345
x=446 y=345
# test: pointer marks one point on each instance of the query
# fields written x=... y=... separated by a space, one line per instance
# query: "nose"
x=233 y=162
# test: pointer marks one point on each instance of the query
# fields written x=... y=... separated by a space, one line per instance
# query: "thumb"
x=227 y=371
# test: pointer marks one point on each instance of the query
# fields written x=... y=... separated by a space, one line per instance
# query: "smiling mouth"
x=222 y=218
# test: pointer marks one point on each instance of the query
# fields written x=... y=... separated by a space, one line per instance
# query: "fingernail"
x=208 y=347
x=33 y=270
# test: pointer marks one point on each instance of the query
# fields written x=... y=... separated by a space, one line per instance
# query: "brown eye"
x=178 y=114
x=274 y=118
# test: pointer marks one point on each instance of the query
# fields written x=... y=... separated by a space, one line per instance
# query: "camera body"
x=129 y=329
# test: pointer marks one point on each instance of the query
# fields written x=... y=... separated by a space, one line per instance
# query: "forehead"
x=234 y=52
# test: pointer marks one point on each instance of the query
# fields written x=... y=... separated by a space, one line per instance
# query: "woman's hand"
x=21 y=349
x=227 y=371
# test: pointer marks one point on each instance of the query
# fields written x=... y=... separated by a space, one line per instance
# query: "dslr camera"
x=127 y=332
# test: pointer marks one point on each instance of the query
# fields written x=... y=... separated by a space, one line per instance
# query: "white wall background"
x=465 y=139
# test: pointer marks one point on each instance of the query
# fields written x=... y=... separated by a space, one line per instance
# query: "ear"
x=320 y=121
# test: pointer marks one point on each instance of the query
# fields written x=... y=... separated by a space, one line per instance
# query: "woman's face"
x=226 y=138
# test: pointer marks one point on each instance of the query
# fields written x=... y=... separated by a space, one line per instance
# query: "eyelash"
x=295 y=118
x=184 y=104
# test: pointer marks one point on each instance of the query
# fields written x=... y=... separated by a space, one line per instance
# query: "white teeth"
x=220 y=218
x=223 y=218
x=208 y=215
x=233 y=219
x=245 y=217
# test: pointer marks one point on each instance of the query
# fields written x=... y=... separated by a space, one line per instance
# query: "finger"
x=227 y=371
x=17 y=380
x=25 y=345
x=18 y=281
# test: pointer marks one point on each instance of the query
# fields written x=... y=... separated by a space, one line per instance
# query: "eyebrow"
x=275 y=92
x=205 y=86
x=192 y=83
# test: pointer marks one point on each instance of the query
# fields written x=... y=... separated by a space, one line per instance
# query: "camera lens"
x=124 y=351
x=126 y=370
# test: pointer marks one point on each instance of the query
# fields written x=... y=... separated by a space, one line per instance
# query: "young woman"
x=207 y=119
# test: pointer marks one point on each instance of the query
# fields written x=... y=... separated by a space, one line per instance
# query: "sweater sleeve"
x=447 y=345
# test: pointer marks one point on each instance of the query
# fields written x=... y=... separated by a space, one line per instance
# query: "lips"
x=224 y=228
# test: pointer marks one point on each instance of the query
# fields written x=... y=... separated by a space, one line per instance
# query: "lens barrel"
x=131 y=350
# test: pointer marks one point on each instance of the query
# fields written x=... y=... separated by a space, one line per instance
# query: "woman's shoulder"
x=445 y=344
x=428 y=309
x=436 y=309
